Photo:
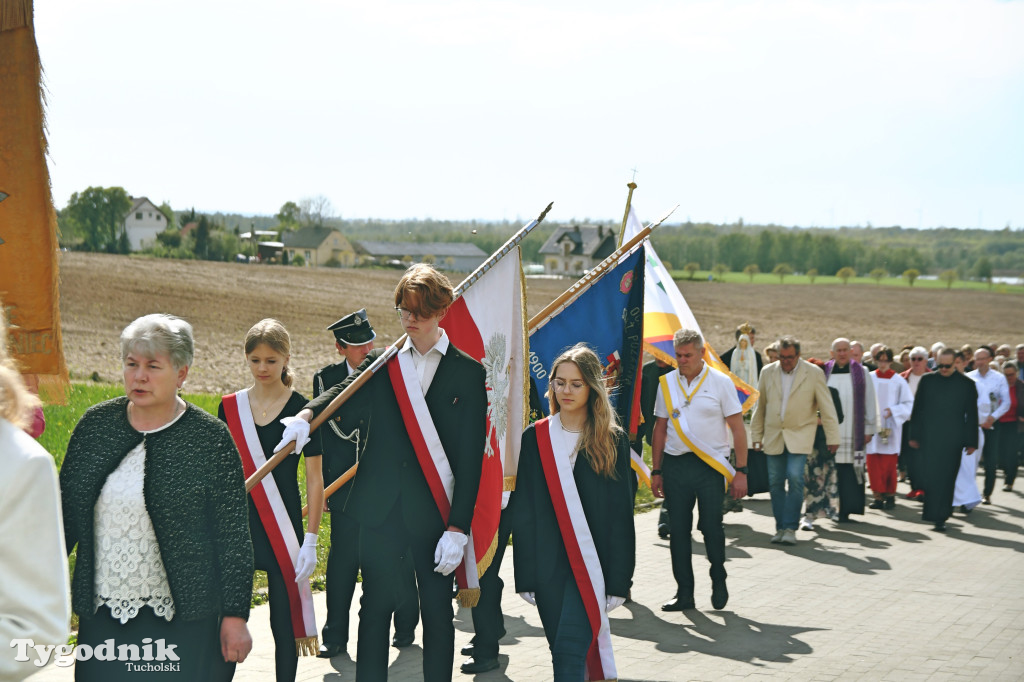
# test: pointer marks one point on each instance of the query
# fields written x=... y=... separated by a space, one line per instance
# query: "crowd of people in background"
x=878 y=429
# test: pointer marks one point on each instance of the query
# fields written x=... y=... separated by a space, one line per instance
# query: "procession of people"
x=154 y=489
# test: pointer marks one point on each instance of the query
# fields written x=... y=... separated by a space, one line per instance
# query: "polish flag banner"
x=487 y=322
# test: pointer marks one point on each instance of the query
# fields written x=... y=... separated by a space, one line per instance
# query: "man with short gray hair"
x=793 y=394
x=696 y=404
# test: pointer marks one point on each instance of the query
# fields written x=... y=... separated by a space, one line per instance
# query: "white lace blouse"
x=129 y=571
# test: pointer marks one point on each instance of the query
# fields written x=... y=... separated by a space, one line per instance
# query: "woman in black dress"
x=254 y=417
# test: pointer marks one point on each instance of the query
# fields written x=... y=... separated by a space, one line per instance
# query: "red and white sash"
x=433 y=461
x=579 y=545
x=274 y=518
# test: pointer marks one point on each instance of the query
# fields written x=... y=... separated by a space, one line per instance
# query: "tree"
x=168 y=212
x=911 y=275
x=812 y=274
x=288 y=216
x=782 y=269
x=878 y=274
x=315 y=210
x=846 y=273
x=97 y=215
x=298 y=260
x=202 y=233
x=948 y=276
x=720 y=269
x=751 y=270
x=691 y=268
x=983 y=269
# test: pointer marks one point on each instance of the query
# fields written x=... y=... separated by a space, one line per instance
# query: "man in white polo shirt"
x=695 y=406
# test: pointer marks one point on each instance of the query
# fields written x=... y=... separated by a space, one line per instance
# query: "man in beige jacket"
x=793 y=396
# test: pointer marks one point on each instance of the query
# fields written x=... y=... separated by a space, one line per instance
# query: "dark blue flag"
x=609 y=318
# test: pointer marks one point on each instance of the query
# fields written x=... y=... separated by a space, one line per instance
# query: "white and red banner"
x=274 y=517
x=579 y=545
x=487 y=322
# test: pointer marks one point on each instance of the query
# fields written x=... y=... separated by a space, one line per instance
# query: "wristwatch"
x=655 y=472
x=741 y=470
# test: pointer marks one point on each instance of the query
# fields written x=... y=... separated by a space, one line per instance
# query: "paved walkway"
x=883 y=599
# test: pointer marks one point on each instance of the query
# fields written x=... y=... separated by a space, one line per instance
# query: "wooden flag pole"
x=625 y=216
x=593 y=276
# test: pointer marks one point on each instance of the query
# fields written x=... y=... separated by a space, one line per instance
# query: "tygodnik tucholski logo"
x=150 y=656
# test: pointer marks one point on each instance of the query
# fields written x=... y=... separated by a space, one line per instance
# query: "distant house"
x=318 y=245
x=143 y=223
x=575 y=249
x=455 y=256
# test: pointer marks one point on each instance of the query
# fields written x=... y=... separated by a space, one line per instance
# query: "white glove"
x=611 y=603
x=307 y=558
x=449 y=551
x=295 y=429
x=529 y=597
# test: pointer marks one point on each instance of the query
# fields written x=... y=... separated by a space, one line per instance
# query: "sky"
x=794 y=112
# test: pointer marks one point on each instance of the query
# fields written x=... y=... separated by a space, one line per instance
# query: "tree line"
x=93 y=219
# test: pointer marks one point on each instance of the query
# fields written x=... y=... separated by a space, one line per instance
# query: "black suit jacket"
x=388 y=468
x=540 y=556
x=338 y=454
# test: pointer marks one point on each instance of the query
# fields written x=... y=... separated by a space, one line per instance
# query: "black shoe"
x=879 y=503
x=330 y=650
x=719 y=594
x=845 y=518
x=890 y=503
x=678 y=604
x=663 y=531
x=401 y=640
x=940 y=527
x=473 y=666
x=467 y=650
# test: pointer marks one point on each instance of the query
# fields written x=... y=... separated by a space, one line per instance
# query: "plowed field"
x=101 y=293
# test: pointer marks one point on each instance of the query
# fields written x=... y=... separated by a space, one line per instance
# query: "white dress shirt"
x=426 y=363
x=993 y=386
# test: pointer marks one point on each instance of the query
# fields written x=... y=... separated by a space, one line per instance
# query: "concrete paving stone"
x=881 y=599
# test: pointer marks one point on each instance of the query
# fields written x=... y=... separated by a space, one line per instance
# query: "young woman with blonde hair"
x=254 y=418
x=574 y=535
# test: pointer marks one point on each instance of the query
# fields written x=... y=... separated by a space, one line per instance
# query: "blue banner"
x=609 y=317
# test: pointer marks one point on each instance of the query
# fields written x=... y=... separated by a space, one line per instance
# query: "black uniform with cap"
x=338 y=438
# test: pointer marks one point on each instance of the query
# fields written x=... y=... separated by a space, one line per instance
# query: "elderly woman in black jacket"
x=154 y=497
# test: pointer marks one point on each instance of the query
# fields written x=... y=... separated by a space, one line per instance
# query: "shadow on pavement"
x=737 y=638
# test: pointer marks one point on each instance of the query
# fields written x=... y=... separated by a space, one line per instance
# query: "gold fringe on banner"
x=307 y=646
x=508 y=484
x=469 y=597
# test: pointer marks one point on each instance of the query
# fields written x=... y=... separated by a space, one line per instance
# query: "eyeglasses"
x=563 y=386
x=945 y=366
x=917 y=359
x=407 y=315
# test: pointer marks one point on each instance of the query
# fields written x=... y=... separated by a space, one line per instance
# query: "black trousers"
x=286 y=658
x=196 y=644
x=851 y=491
x=381 y=551
x=342 y=570
x=488 y=620
x=990 y=456
x=1009 y=450
x=687 y=479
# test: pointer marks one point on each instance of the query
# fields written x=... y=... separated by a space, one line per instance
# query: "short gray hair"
x=684 y=337
x=919 y=352
x=159 y=333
